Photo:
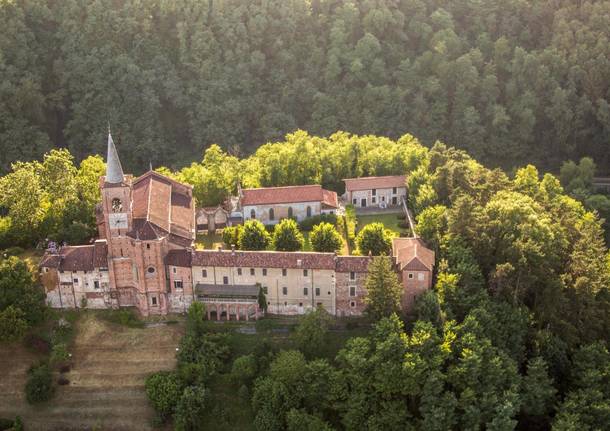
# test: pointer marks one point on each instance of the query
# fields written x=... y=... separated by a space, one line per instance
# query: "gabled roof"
x=289 y=194
x=412 y=254
x=161 y=206
x=78 y=258
x=367 y=183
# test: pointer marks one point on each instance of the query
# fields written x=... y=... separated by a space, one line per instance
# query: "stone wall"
x=348 y=305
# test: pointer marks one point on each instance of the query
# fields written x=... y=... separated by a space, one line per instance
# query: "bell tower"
x=116 y=196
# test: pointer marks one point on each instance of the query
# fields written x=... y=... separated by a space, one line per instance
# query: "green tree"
x=244 y=370
x=374 y=239
x=164 y=390
x=39 y=386
x=18 y=290
x=538 y=393
x=384 y=291
x=287 y=237
x=311 y=334
x=230 y=235
x=12 y=324
x=254 y=236
x=191 y=409
x=325 y=238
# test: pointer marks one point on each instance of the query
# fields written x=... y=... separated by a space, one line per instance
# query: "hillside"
x=510 y=81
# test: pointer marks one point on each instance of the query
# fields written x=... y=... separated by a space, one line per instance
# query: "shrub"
x=18 y=424
x=37 y=343
x=125 y=317
x=163 y=390
x=263 y=325
x=312 y=331
x=39 y=386
x=59 y=353
x=14 y=251
x=308 y=224
x=230 y=235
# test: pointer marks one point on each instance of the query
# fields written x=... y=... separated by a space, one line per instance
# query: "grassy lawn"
x=208 y=242
x=390 y=221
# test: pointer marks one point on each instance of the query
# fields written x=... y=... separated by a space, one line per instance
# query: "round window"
x=151 y=269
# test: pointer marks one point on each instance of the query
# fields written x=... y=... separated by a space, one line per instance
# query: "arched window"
x=252 y=214
x=308 y=211
x=289 y=212
x=117 y=205
x=271 y=214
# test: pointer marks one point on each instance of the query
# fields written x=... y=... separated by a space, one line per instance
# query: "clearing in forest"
x=109 y=366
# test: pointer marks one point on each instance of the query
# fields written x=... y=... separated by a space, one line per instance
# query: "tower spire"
x=114 y=170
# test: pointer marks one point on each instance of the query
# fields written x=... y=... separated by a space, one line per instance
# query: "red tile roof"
x=289 y=194
x=164 y=206
x=263 y=259
x=412 y=253
x=179 y=258
x=367 y=183
x=353 y=263
x=78 y=258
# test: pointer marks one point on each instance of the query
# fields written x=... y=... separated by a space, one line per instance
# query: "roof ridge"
x=283 y=187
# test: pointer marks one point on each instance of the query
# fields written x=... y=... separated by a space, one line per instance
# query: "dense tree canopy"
x=510 y=81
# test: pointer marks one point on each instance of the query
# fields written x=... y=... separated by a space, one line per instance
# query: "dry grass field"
x=106 y=390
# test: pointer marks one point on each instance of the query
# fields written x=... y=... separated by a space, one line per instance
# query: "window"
x=317 y=291
x=305 y=291
x=284 y=291
x=147 y=246
x=374 y=192
x=76 y=281
x=420 y=276
x=153 y=300
x=308 y=211
x=225 y=280
x=289 y=212
x=174 y=269
x=265 y=272
x=352 y=291
x=305 y=273
x=300 y=304
x=204 y=273
x=352 y=304
x=271 y=214
x=285 y=303
x=355 y=201
x=252 y=272
x=96 y=284
x=284 y=272
x=410 y=275
x=238 y=271
x=150 y=269
x=383 y=199
x=374 y=199
x=117 y=205
x=177 y=284
x=393 y=190
x=252 y=214
x=265 y=290
x=352 y=275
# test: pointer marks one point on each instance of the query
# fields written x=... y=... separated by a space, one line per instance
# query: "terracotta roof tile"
x=50 y=261
x=329 y=199
x=264 y=259
x=100 y=254
x=412 y=252
x=289 y=194
x=179 y=258
x=353 y=263
x=367 y=183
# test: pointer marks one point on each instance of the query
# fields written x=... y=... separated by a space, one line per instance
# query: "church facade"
x=145 y=258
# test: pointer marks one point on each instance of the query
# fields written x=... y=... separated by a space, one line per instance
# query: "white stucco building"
x=379 y=192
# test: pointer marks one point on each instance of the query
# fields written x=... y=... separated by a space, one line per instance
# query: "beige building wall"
x=80 y=288
x=381 y=195
x=299 y=211
x=293 y=293
x=414 y=284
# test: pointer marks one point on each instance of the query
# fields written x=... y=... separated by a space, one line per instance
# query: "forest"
x=509 y=81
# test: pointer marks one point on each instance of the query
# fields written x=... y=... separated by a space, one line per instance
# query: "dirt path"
x=106 y=390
